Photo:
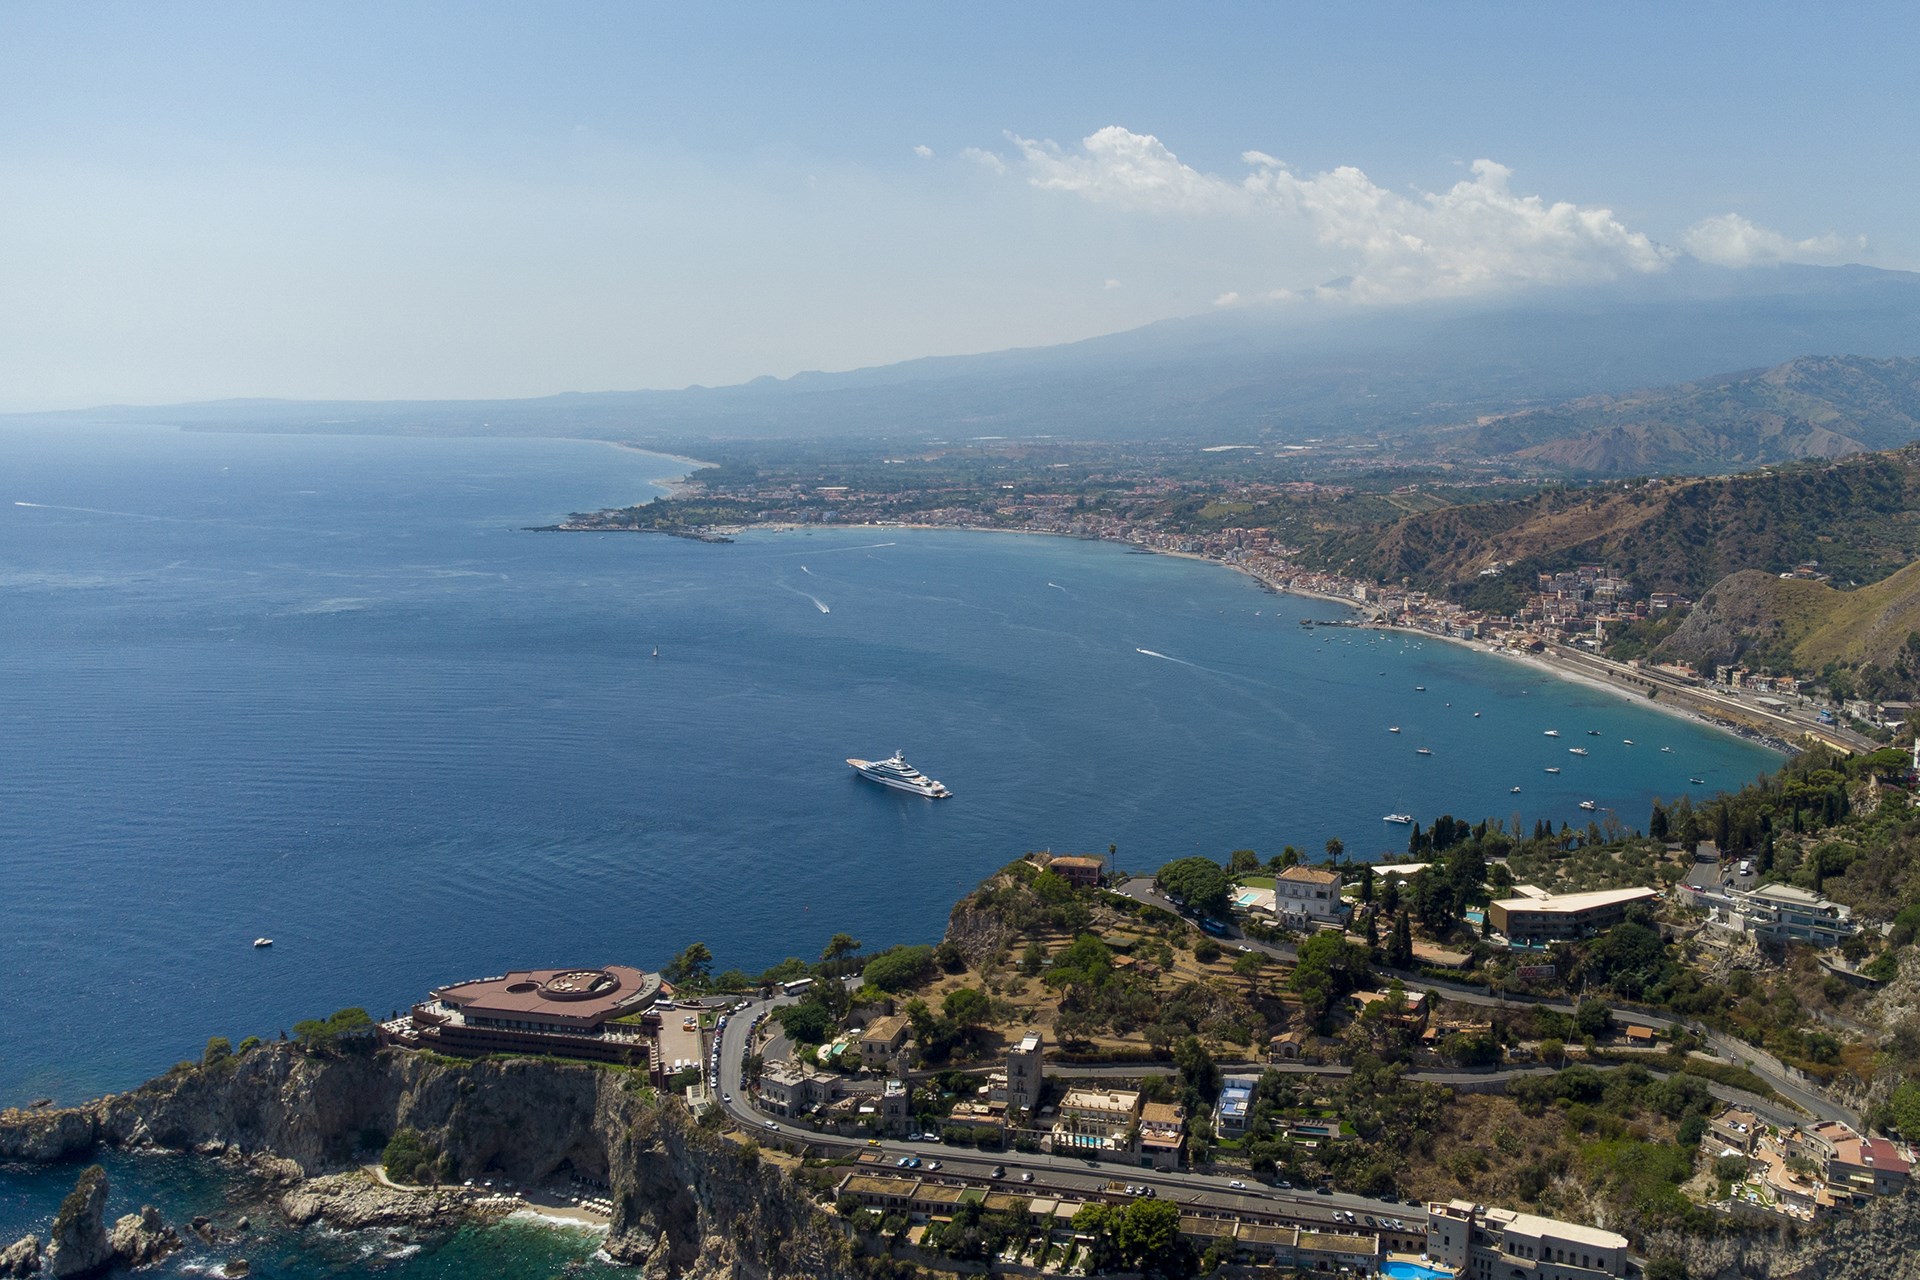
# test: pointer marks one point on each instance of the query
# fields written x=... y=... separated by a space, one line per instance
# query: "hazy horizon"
x=349 y=202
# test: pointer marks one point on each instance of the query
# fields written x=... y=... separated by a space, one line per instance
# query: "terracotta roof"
x=565 y=997
x=1310 y=875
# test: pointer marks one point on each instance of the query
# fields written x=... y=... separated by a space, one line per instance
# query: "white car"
x=1237 y=1185
x=772 y=1125
x=1026 y=1176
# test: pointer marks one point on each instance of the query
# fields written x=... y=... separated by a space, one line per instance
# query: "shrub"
x=325 y=1033
x=899 y=968
x=410 y=1158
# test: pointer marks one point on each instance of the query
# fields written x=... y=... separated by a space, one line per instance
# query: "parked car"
x=1323 y=1191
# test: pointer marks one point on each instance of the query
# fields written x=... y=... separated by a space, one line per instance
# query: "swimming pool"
x=1413 y=1271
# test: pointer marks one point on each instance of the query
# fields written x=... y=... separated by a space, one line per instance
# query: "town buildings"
x=1095 y=1122
x=1231 y=1108
x=1774 y=913
x=1163 y=1134
x=1482 y=1243
x=1025 y=1075
x=882 y=1038
x=1855 y=1166
x=1535 y=917
x=1309 y=897
x=1078 y=870
x=598 y=1014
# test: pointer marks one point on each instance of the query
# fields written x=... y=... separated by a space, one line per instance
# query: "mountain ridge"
x=1284 y=372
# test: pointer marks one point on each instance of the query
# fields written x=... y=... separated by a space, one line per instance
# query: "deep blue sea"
x=327 y=690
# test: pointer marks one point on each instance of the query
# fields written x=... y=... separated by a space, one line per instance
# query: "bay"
x=326 y=689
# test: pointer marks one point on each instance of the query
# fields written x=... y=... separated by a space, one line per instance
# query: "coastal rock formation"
x=352 y=1201
x=140 y=1239
x=78 y=1245
x=81 y=1244
x=687 y=1202
x=21 y=1258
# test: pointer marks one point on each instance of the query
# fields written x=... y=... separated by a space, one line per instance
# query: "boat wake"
x=1057 y=587
x=1164 y=657
x=818 y=603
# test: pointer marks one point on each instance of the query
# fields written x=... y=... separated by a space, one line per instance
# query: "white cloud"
x=924 y=151
x=1228 y=299
x=1476 y=234
x=1111 y=283
x=1730 y=240
x=983 y=158
x=1131 y=170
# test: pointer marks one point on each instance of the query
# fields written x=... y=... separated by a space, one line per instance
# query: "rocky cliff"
x=688 y=1203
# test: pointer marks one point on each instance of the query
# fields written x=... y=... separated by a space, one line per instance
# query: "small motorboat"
x=1514 y=792
x=1423 y=751
x=1698 y=782
x=263 y=942
x=1553 y=768
x=1393 y=728
x=1588 y=805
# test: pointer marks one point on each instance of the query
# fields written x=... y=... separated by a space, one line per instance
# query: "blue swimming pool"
x=1413 y=1271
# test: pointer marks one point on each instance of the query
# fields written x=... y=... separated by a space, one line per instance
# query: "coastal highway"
x=1788 y=719
x=1784 y=1080
x=1059 y=1174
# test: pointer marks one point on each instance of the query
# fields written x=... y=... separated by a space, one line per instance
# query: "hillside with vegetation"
x=1789 y=624
x=1814 y=407
x=1858 y=518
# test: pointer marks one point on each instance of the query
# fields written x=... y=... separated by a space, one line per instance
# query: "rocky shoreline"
x=688 y=1202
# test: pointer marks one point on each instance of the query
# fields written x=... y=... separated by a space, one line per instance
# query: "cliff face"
x=687 y=1204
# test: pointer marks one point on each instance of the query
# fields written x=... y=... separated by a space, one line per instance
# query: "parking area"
x=678 y=1042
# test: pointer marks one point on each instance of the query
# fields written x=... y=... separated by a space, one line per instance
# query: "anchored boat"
x=895 y=772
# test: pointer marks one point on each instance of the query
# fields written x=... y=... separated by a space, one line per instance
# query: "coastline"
x=675 y=486
x=1543 y=664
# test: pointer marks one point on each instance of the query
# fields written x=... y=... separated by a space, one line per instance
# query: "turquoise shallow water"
x=184 y=1186
x=324 y=689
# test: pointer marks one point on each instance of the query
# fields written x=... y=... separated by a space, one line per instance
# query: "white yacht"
x=1404 y=819
x=1576 y=751
x=1553 y=733
x=1588 y=805
x=895 y=772
x=263 y=942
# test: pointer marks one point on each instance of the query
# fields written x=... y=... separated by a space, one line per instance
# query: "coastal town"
x=1037 y=1138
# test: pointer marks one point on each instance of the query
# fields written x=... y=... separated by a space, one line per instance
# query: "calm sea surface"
x=324 y=689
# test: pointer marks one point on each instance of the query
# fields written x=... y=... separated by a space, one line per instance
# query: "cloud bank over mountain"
x=1477 y=235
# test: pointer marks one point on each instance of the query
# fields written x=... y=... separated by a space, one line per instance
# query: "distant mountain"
x=1853 y=516
x=1283 y=372
x=1814 y=407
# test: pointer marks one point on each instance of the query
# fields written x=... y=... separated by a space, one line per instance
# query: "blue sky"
x=476 y=200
